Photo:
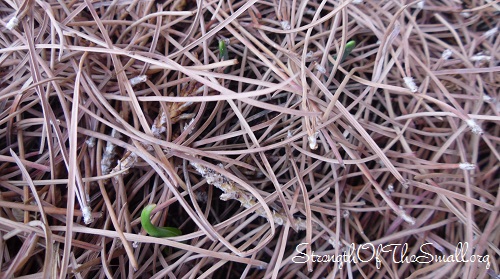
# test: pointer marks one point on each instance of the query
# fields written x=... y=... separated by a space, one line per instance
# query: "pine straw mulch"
x=107 y=106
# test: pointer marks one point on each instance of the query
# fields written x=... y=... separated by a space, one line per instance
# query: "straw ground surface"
x=257 y=130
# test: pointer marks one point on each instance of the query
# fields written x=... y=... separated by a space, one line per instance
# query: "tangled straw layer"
x=106 y=106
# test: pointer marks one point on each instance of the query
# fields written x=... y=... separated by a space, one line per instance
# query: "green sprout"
x=223 y=54
x=154 y=230
x=347 y=50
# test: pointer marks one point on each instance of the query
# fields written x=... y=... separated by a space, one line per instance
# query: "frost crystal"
x=87 y=216
x=491 y=32
x=286 y=25
x=410 y=84
x=187 y=125
x=476 y=129
x=480 y=57
x=446 y=54
x=13 y=22
x=346 y=213
x=488 y=99
x=313 y=144
x=320 y=69
x=310 y=12
x=467 y=166
x=408 y=219
x=465 y=14
x=90 y=142
x=138 y=79
x=390 y=189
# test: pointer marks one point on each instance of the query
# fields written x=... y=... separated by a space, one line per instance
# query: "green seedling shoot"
x=347 y=50
x=154 y=230
x=223 y=54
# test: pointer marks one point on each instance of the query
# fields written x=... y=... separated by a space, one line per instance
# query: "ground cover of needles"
x=267 y=131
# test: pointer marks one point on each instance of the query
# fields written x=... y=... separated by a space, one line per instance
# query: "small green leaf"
x=154 y=230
